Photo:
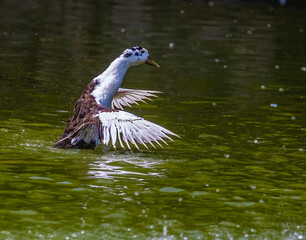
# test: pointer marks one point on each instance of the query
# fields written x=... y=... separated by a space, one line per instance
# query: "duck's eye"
x=142 y=51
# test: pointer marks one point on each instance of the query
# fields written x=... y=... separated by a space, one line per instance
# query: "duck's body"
x=96 y=117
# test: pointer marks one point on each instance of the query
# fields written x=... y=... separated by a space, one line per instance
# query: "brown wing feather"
x=84 y=110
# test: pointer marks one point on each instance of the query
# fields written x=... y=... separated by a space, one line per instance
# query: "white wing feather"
x=125 y=97
x=127 y=127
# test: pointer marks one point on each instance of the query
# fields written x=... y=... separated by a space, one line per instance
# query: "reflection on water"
x=128 y=165
x=233 y=77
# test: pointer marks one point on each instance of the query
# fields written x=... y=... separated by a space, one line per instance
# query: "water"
x=233 y=77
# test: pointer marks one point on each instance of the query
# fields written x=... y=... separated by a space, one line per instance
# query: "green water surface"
x=233 y=77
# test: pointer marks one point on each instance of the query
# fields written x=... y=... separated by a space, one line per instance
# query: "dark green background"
x=234 y=89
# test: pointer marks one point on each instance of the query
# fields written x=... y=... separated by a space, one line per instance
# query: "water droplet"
x=276 y=66
x=182 y=11
x=261 y=201
x=207 y=185
x=301 y=150
x=136 y=193
x=303 y=69
x=281 y=89
x=301 y=30
x=82 y=232
x=217 y=60
x=217 y=190
x=255 y=141
x=211 y=4
x=171 y=45
x=263 y=87
x=293 y=118
x=214 y=104
x=180 y=199
x=273 y=105
x=122 y=30
x=225 y=67
x=249 y=32
x=300 y=237
x=252 y=186
x=227 y=155
x=268 y=25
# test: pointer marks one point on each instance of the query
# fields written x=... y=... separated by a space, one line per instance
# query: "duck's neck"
x=110 y=81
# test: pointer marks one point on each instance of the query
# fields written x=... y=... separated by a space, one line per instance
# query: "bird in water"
x=98 y=114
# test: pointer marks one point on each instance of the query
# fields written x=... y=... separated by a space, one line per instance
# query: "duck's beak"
x=151 y=62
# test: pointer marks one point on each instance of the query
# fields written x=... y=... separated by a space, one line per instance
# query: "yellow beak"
x=152 y=63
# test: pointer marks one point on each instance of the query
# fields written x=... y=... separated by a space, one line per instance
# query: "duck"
x=98 y=115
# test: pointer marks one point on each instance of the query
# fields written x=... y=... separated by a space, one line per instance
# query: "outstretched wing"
x=126 y=97
x=111 y=125
x=126 y=127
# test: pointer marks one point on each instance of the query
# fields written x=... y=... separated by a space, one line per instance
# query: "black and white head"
x=138 y=55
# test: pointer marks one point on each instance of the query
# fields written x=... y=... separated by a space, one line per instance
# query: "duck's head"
x=138 y=55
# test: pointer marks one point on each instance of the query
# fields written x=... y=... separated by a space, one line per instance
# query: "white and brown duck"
x=98 y=115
